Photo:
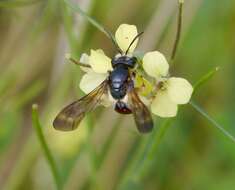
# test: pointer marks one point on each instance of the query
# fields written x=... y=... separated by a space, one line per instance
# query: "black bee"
x=120 y=83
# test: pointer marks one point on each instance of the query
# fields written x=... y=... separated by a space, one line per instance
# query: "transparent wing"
x=70 y=117
x=142 y=116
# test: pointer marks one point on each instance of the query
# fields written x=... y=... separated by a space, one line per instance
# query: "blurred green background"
x=106 y=151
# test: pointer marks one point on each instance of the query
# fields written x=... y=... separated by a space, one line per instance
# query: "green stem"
x=212 y=121
x=37 y=126
x=197 y=85
x=146 y=155
x=205 y=78
x=179 y=27
x=147 y=162
x=76 y=8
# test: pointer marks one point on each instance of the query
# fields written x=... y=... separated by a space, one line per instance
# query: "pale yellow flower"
x=155 y=64
x=100 y=63
x=124 y=36
x=94 y=76
x=171 y=92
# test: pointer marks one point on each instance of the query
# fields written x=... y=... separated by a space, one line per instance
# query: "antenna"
x=135 y=38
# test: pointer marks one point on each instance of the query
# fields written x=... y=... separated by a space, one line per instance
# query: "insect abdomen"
x=121 y=107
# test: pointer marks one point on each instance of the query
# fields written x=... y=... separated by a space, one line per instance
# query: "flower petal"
x=124 y=36
x=155 y=64
x=163 y=106
x=105 y=101
x=85 y=60
x=99 y=62
x=91 y=80
x=179 y=90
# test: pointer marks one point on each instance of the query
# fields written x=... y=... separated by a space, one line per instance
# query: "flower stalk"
x=51 y=161
x=179 y=28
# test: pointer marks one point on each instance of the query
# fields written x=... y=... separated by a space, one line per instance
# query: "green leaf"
x=212 y=121
x=197 y=85
x=205 y=78
x=38 y=128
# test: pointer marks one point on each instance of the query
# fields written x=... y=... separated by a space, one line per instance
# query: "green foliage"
x=51 y=161
x=15 y=3
x=106 y=152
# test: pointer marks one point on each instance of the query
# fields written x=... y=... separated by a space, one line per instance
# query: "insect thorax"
x=124 y=60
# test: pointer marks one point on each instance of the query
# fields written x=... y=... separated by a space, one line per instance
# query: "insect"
x=120 y=84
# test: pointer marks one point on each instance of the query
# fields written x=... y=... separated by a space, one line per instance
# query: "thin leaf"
x=212 y=121
x=205 y=78
x=197 y=85
x=38 y=128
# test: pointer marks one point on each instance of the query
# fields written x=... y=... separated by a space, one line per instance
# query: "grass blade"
x=37 y=126
x=212 y=121
x=197 y=85
x=205 y=78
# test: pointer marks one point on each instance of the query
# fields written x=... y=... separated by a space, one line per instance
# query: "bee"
x=120 y=85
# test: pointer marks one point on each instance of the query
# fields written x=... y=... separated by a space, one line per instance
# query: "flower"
x=101 y=64
x=171 y=91
x=94 y=76
x=124 y=36
x=164 y=93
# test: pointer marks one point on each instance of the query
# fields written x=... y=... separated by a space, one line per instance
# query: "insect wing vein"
x=141 y=113
x=70 y=117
